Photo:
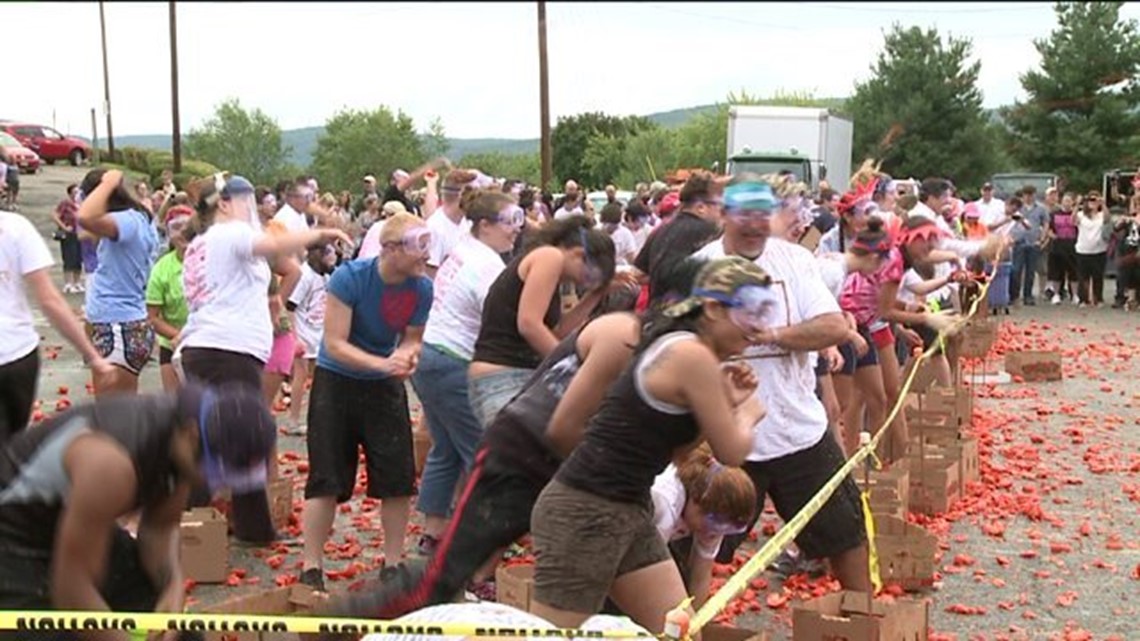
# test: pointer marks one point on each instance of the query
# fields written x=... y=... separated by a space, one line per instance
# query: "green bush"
x=148 y=164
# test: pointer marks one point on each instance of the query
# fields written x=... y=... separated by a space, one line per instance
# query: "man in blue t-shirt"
x=375 y=312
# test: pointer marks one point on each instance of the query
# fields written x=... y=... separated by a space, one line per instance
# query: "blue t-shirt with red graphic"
x=380 y=312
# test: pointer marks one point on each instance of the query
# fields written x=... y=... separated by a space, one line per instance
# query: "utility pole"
x=94 y=137
x=176 y=139
x=544 y=98
x=106 y=83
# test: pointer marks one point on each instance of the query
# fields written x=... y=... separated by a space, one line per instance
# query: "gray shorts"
x=583 y=542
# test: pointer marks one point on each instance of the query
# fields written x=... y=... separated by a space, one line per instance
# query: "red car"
x=24 y=158
x=48 y=143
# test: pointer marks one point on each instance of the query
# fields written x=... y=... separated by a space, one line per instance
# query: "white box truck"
x=813 y=143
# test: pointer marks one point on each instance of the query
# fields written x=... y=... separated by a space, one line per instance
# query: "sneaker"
x=785 y=565
x=1056 y=299
x=80 y=288
x=1029 y=302
x=68 y=288
x=314 y=578
x=1049 y=293
x=427 y=545
x=483 y=590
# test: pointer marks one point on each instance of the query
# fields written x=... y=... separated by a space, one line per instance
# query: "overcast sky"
x=475 y=66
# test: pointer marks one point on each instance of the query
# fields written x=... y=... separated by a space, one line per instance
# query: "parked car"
x=48 y=143
x=26 y=159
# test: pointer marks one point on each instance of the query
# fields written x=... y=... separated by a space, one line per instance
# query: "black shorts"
x=349 y=413
x=18 y=393
x=71 y=253
x=792 y=481
x=222 y=367
x=165 y=354
x=851 y=362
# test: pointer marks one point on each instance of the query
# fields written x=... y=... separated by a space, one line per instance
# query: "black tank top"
x=33 y=483
x=517 y=436
x=499 y=340
x=631 y=440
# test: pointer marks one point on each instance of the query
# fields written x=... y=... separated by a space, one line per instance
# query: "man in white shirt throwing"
x=793 y=454
x=993 y=210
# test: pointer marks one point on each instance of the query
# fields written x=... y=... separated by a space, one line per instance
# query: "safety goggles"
x=415 y=241
x=218 y=475
x=512 y=216
x=749 y=307
x=749 y=215
x=720 y=525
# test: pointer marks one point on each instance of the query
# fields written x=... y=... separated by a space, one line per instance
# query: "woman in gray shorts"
x=593 y=525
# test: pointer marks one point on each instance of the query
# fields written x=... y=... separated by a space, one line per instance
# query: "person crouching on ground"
x=375 y=312
x=64 y=484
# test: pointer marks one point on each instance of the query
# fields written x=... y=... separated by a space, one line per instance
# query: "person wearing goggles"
x=696 y=504
x=594 y=536
x=440 y=380
x=523 y=314
x=375 y=312
x=67 y=483
x=228 y=336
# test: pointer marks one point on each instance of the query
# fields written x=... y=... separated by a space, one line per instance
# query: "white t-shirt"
x=640 y=236
x=370 y=246
x=796 y=419
x=668 y=506
x=292 y=219
x=1090 y=240
x=562 y=213
x=461 y=286
x=22 y=251
x=833 y=270
x=624 y=245
x=495 y=615
x=309 y=314
x=912 y=278
x=444 y=235
x=992 y=213
x=227 y=291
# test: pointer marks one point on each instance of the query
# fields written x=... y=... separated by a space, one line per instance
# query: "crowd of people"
x=628 y=386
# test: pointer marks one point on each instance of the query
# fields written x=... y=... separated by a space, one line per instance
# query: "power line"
x=897 y=8
x=732 y=19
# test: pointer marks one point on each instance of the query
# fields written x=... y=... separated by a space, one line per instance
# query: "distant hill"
x=304 y=140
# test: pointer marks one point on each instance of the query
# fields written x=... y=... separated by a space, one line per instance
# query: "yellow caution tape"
x=872 y=551
x=29 y=621
x=738 y=582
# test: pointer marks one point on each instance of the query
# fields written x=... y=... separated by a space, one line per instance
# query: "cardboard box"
x=964 y=449
x=934 y=481
x=293 y=599
x=844 y=615
x=718 y=632
x=889 y=490
x=810 y=238
x=280 y=493
x=204 y=545
x=1034 y=367
x=955 y=405
x=978 y=337
x=421 y=443
x=906 y=553
x=514 y=585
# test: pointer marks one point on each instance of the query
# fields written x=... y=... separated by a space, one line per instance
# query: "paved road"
x=1045 y=548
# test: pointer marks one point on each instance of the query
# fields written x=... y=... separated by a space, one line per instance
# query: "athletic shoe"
x=80 y=288
x=1056 y=299
x=483 y=590
x=427 y=545
x=314 y=578
x=1049 y=293
x=785 y=565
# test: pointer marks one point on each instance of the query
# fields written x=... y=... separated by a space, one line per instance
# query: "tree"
x=356 y=143
x=921 y=113
x=1081 y=116
x=244 y=142
x=526 y=167
x=572 y=135
x=435 y=142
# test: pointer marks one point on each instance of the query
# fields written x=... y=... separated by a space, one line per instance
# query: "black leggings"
x=1091 y=267
x=493 y=512
x=18 y=393
x=1062 y=264
x=251 y=519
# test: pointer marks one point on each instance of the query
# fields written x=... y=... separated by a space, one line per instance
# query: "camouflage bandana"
x=719 y=280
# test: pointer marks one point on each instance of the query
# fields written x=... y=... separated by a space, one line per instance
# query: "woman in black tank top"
x=522 y=315
x=593 y=525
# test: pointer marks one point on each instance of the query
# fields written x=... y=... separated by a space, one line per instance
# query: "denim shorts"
x=490 y=393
